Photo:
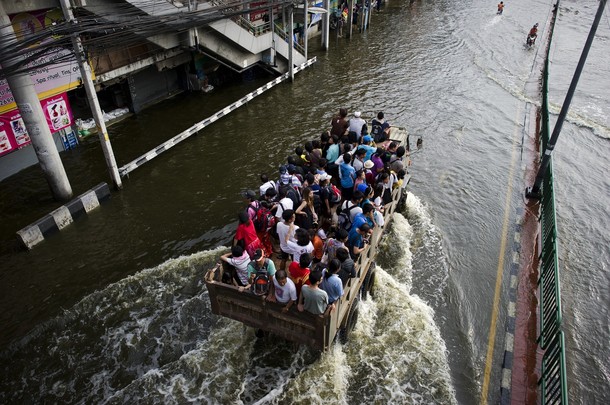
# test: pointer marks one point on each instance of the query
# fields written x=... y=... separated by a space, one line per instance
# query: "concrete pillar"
x=361 y=20
x=305 y=26
x=350 y=17
x=33 y=117
x=272 y=27
x=291 y=43
x=85 y=72
x=326 y=25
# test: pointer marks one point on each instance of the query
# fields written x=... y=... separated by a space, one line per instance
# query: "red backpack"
x=334 y=195
x=263 y=220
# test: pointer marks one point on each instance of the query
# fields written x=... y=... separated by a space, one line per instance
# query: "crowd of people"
x=317 y=217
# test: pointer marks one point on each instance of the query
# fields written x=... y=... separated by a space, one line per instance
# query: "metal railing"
x=550 y=296
x=254 y=29
x=279 y=30
x=554 y=384
x=553 y=381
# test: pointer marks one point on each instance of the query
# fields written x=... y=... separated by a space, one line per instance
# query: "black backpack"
x=260 y=285
x=291 y=193
x=344 y=216
x=377 y=131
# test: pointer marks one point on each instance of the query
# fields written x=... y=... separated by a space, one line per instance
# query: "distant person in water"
x=533 y=34
x=500 y=7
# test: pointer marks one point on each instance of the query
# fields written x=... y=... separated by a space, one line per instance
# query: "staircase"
x=233 y=40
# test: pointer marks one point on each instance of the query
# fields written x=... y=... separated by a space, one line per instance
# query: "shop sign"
x=61 y=72
x=13 y=134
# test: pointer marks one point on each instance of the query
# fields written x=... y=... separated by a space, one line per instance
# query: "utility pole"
x=534 y=191
x=33 y=117
x=85 y=72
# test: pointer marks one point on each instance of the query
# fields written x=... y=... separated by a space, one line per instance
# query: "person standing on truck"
x=245 y=235
x=261 y=271
x=283 y=291
x=339 y=124
x=358 y=239
x=285 y=231
x=299 y=271
x=333 y=244
x=313 y=299
x=348 y=268
x=331 y=283
x=239 y=259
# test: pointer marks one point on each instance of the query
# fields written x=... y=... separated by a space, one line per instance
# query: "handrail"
x=282 y=34
x=553 y=380
x=255 y=30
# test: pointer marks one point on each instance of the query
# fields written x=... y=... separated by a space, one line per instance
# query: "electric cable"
x=102 y=28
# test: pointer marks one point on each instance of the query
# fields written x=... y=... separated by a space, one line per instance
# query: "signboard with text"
x=13 y=134
x=55 y=77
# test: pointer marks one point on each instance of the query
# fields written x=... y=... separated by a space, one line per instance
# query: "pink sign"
x=13 y=134
x=56 y=110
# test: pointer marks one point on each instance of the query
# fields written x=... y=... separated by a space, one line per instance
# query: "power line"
x=111 y=27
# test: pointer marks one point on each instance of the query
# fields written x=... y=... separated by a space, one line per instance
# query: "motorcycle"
x=530 y=41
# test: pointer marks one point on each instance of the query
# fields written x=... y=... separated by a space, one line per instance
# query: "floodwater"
x=113 y=308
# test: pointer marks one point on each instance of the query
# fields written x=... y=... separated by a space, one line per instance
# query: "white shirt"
x=285 y=294
x=297 y=250
x=357 y=164
x=282 y=230
x=262 y=189
x=355 y=125
x=284 y=204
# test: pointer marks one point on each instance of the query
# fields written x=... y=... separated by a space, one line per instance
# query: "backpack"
x=264 y=219
x=260 y=285
x=334 y=195
x=377 y=131
x=291 y=193
x=344 y=216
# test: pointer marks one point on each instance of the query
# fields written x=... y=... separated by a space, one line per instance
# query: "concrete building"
x=140 y=52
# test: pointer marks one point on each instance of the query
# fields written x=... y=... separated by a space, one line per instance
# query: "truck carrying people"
x=314 y=261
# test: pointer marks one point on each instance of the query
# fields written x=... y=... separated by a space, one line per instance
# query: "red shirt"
x=246 y=232
x=299 y=275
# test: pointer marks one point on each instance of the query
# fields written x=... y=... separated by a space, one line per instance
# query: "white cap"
x=357 y=114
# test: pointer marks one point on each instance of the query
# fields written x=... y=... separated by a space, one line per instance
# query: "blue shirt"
x=348 y=174
x=369 y=151
x=354 y=239
x=360 y=219
x=332 y=153
x=333 y=286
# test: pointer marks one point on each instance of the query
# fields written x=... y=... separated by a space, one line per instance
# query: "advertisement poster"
x=57 y=112
x=13 y=134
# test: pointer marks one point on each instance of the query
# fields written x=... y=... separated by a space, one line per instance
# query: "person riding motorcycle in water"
x=531 y=37
x=500 y=7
